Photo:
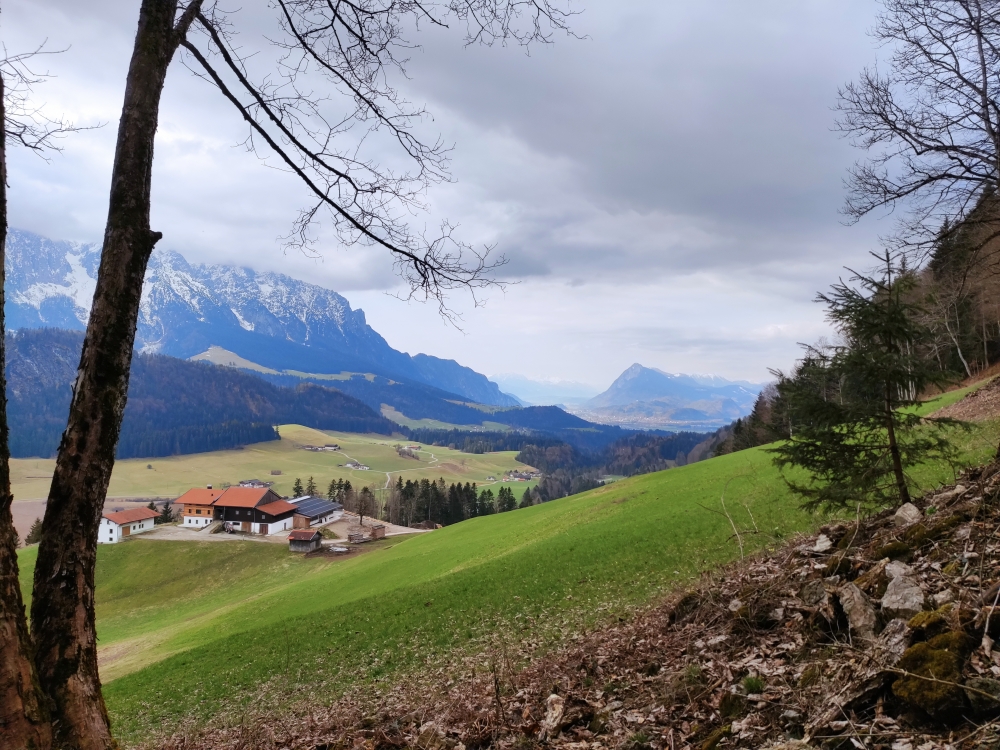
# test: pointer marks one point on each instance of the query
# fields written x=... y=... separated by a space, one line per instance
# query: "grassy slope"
x=169 y=477
x=211 y=623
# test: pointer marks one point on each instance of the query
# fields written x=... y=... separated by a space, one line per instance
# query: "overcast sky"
x=666 y=189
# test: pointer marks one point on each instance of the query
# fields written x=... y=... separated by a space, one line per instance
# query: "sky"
x=665 y=185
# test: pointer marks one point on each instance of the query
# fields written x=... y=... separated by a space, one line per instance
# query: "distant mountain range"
x=273 y=320
x=645 y=398
x=544 y=392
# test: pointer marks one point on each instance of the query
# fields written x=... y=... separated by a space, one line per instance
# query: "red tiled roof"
x=199 y=496
x=130 y=516
x=243 y=497
x=277 y=508
x=303 y=535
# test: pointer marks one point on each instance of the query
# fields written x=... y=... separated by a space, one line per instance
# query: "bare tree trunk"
x=897 y=461
x=62 y=609
x=958 y=347
x=23 y=716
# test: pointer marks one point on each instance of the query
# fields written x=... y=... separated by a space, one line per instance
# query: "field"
x=169 y=477
x=210 y=627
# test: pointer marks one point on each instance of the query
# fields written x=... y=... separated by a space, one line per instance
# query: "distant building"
x=255 y=484
x=196 y=507
x=121 y=524
x=304 y=540
x=357 y=466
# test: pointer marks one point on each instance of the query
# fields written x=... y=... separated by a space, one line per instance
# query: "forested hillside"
x=174 y=406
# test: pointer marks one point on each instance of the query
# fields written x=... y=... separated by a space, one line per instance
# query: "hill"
x=534 y=576
x=174 y=406
x=186 y=309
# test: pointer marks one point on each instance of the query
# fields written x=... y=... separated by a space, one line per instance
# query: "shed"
x=304 y=540
x=378 y=531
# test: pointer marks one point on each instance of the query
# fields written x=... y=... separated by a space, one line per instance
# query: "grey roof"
x=314 y=507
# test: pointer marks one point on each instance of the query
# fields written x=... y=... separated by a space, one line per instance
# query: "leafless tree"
x=356 y=47
x=930 y=120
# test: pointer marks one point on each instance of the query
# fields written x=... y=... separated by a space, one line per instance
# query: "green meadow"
x=190 y=631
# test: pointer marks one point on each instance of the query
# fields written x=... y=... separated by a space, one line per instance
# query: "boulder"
x=860 y=613
x=907 y=514
x=983 y=694
x=823 y=544
x=903 y=598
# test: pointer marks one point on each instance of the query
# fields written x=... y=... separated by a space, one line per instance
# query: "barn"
x=256 y=510
x=315 y=511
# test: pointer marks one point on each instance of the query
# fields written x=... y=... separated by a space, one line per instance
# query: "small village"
x=252 y=510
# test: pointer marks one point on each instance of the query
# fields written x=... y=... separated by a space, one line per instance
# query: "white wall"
x=197 y=521
x=273 y=528
x=111 y=533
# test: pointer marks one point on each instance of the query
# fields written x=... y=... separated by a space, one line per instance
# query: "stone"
x=907 y=514
x=944 y=597
x=823 y=544
x=891 y=644
x=895 y=569
x=903 y=598
x=813 y=594
x=860 y=613
x=933 y=671
x=983 y=705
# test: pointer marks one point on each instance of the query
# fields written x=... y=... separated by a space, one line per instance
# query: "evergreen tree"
x=166 y=514
x=366 y=504
x=311 y=486
x=331 y=491
x=526 y=499
x=486 y=504
x=850 y=425
x=297 y=490
x=34 y=533
x=505 y=500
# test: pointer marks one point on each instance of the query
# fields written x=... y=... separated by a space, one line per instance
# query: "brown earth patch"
x=977 y=406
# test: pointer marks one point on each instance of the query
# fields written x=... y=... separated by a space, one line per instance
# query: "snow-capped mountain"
x=267 y=318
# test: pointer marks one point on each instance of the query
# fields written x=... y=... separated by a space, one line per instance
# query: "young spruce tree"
x=852 y=428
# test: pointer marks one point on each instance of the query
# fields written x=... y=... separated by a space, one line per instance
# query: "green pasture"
x=171 y=476
x=194 y=631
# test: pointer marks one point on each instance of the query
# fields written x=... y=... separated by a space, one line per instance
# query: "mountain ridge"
x=186 y=308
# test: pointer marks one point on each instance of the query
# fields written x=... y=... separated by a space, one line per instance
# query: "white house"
x=124 y=523
x=196 y=506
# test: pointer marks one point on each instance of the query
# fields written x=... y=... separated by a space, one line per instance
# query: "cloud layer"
x=666 y=189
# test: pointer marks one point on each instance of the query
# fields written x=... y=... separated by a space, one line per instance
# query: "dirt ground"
x=977 y=406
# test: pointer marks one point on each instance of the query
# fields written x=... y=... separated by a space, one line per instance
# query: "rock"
x=823 y=544
x=903 y=598
x=551 y=724
x=907 y=514
x=860 y=613
x=935 y=668
x=875 y=581
x=735 y=605
x=944 y=597
x=983 y=705
x=895 y=569
x=813 y=594
x=431 y=737
x=895 y=551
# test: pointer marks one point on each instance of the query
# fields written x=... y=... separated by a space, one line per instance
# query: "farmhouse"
x=315 y=511
x=304 y=540
x=255 y=484
x=254 y=510
x=120 y=524
x=197 y=510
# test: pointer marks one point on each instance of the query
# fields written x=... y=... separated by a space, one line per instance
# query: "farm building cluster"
x=319 y=448
x=246 y=509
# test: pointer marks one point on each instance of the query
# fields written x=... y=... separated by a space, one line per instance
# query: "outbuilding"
x=304 y=540
x=315 y=511
x=122 y=524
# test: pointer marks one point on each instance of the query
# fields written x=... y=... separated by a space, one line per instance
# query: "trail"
x=388 y=474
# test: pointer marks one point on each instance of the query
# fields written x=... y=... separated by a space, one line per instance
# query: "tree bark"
x=24 y=717
x=62 y=609
x=897 y=461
